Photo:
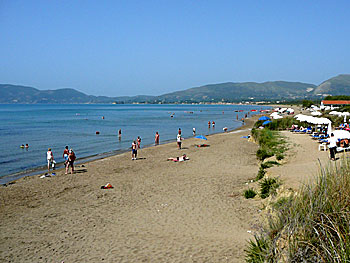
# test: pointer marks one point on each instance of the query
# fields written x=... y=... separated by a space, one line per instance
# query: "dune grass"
x=311 y=226
x=271 y=143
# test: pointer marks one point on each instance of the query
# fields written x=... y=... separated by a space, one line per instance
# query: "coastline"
x=10 y=178
x=157 y=211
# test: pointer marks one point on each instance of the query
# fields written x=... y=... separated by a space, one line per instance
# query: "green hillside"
x=339 y=85
x=28 y=95
x=275 y=90
x=227 y=92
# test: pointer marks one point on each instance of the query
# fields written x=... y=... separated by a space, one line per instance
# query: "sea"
x=54 y=126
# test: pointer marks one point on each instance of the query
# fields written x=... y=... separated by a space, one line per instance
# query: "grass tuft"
x=250 y=193
x=261 y=174
x=268 y=186
x=257 y=250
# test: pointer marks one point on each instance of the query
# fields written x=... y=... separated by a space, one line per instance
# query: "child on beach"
x=134 y=150
x=138 y=142
x=49 y=158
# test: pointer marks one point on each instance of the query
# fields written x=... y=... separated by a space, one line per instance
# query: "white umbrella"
x=323 y=121
x=329 y=130
x=341 y=134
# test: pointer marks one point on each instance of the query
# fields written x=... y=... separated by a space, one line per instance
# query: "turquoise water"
x=54 y=126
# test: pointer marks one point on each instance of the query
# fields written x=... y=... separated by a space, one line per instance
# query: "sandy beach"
x=158 y=210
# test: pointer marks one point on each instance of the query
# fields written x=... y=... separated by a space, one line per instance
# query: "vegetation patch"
x=311 y=226
x=261 y=174
x=268 y=164
x=270 y=142
x=250 y=193
x=268 y=186
x=257 y=250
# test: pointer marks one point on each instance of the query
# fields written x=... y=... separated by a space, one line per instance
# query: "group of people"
x=68 y=156
x=212 y=123
x=136 y=144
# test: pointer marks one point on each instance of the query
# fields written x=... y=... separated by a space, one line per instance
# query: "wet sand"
x=158 y=210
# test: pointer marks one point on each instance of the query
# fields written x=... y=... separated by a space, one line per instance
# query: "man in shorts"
x=134 y=150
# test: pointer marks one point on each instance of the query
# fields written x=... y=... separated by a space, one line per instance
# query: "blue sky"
x=119 y=48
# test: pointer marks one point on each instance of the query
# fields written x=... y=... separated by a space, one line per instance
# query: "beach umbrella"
x=201 y=137
x=316 y=113
x=266 y=122
x=277 y=117
x=341 y=134
x=264 y=118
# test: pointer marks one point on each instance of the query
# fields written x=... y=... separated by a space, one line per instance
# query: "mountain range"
x=222 y=92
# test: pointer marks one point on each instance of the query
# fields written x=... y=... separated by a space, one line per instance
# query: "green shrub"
x=268 y=186
x=250 y=193
x=263 y=153
x=260 y=174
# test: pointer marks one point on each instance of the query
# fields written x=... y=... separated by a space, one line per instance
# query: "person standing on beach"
x=332 y=146
x=208 y=124
x=70 y=162
x=180 y=131
x=65 y=156
x=138 y=142
x=194 y=131
x=134 y=150
x=213 y=124
x=49 y=158
x=156 y=139
x=178 y=139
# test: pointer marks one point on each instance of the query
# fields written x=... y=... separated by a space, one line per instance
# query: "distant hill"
x=28 y=95
x=226 y=92
x=272 y=90
x=339 y=85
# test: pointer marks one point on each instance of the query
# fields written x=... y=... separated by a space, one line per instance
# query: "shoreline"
x=158 y=210
x=10 y=178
